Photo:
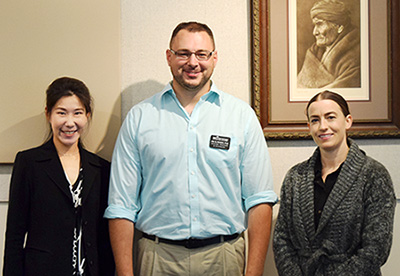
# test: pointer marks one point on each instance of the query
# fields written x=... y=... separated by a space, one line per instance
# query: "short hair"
x=193 y=27
x=329 y=95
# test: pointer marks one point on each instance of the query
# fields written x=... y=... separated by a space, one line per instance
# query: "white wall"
x=146 y=27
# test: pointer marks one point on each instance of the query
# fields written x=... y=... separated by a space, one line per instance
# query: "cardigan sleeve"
x=17 y=218
x=377 y=229
x=286 y=257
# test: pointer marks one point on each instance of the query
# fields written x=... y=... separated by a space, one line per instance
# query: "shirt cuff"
x=259 y=198
x=115 y=211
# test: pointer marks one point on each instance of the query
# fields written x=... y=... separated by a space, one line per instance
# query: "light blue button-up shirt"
x=173 y=180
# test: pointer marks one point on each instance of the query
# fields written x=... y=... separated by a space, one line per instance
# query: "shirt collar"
x=318 y=168
x=214 y=95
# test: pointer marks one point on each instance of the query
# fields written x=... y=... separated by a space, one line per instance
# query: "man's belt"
x=194 y=243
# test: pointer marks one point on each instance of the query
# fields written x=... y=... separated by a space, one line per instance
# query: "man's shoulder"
x=150 y=102
x=153 y=99
x=233 y=101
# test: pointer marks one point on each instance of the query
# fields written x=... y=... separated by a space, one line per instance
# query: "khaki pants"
x=155 y=259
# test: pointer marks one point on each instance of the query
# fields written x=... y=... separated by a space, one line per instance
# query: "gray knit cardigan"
x=355 y=231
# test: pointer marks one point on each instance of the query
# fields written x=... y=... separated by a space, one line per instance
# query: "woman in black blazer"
x=58 y=195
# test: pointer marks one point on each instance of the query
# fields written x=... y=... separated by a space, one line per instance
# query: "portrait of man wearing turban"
x=333 y=60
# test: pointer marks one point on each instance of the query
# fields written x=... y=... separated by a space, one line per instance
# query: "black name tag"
x=220 y=142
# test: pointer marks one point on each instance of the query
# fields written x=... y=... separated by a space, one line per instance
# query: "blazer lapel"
x=90 y=172
x=52 y=167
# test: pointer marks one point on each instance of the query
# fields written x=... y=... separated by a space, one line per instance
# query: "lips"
x=325 y=136
x=69 y=132
x=192 y=74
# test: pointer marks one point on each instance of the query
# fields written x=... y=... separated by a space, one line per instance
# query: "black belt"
x=194 y=243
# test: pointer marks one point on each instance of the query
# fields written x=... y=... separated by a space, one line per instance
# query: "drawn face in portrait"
x=325 y=32
x=331 y=58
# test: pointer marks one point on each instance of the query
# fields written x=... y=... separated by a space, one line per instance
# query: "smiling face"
x=328 y=125
x=325 y=32
x=68 y=119
x=191 y=74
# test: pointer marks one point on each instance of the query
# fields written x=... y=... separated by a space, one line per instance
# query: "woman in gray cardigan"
x=337 y=208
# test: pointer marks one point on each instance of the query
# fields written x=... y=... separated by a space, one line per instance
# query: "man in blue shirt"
x=191 y=170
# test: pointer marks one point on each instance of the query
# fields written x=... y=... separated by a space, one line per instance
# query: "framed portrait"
x=328 y=48
x=291 y=63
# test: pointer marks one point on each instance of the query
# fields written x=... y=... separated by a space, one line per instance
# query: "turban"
x=331 y=10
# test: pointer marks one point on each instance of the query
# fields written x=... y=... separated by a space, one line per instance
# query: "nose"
x=70 y=121
x=315 y=31
x=192 y=61
x=323 y=124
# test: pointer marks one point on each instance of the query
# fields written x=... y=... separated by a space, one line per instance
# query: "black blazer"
x=41 y=207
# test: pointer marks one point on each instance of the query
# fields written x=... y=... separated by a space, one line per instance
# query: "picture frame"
x=280 y=118
x=350 y=51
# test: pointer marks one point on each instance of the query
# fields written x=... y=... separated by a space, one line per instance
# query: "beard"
x=191 y=86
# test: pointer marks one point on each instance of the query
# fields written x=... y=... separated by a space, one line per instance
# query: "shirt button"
x=192 y=172
x=195 y=219
x=319 y=211
x=193 y=196
x=191 y=149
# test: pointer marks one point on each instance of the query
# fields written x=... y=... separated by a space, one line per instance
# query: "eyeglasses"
x=201 y=55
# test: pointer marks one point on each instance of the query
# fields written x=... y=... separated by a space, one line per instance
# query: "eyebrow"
x=330 y=112
x=325 y=114
x=316 y=19
x=187 y=50
x=63 y=108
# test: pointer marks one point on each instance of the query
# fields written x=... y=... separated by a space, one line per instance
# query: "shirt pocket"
x=223 y=158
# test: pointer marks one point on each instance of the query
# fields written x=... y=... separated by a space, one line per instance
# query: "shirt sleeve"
x=256 y=171
x=125 y=178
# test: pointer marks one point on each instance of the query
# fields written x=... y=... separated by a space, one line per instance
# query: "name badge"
x=220 y=142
